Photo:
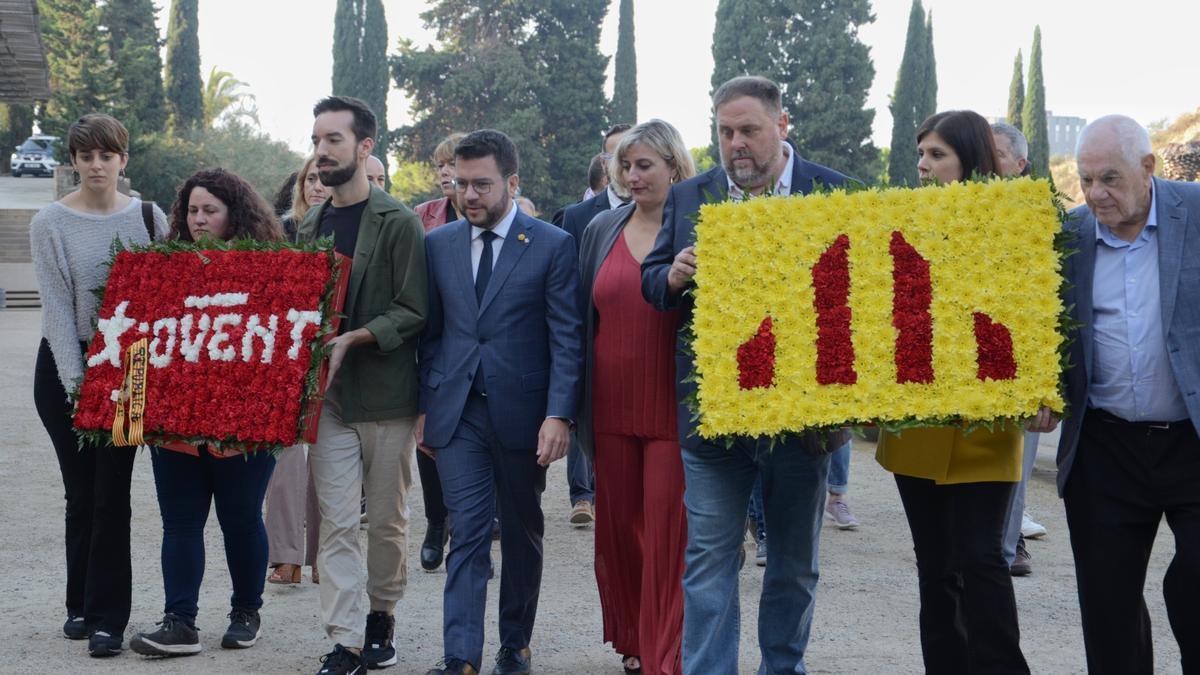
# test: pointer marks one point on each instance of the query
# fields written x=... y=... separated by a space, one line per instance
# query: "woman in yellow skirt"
x=956 y=487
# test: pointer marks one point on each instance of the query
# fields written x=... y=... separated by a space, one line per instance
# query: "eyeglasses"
x=482 y=187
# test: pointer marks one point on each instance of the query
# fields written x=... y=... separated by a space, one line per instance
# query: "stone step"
x=22 y=300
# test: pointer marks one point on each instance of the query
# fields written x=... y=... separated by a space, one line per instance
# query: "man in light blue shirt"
x=1129 y=454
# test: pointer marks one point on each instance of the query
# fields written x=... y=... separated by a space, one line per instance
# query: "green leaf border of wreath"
x=319 y=352
x=1067 y=328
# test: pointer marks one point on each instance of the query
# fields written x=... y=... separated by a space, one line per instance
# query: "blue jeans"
x=186 y=487
x=581 y=480
x=839 y=470
x=1012 y=530
x=719 y=483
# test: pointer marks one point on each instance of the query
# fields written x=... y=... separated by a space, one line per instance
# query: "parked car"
x=35 y=157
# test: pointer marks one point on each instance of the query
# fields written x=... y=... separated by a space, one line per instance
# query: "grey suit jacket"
x=596 y=243
x=1178 y=210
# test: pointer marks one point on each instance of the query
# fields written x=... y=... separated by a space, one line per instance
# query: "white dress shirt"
x=501 y=231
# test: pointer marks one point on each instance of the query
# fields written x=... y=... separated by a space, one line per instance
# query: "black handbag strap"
x=148 y=218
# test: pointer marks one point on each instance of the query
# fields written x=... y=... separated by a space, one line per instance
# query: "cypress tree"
x=133 y=47
x=375 y=75
x=82 y=77
x=347 y=47
x=929 y=80
x=811 y=48
x=566 y=48
x=360 y=61
x=1033 y=116
x=185 y=99
x=909 y=100
x=1016 y=93
x=624 y=103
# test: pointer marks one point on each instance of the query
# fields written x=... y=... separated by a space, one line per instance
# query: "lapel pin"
x=522 y=238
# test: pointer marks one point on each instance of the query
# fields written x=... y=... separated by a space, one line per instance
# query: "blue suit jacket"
x=577 y=216
x=679 y=232
x=1178 y=210
x=526 y=332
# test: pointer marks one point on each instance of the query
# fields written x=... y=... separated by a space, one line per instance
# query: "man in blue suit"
x=1129 y=453
x=581 y=480
x=500 y=365
x=755 y=158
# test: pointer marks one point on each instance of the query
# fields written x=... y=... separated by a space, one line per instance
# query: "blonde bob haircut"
x=299 y=203
x=444 y=152
x=661 y=138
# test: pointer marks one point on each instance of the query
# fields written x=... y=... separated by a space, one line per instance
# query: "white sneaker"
x=838 y=511
x=1031 y=529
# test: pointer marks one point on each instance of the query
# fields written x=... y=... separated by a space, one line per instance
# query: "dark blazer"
x=597 y=242
x=1178 y=212
x=577 y=216
x=679 y=232
x=526 y=333
x=387 y=297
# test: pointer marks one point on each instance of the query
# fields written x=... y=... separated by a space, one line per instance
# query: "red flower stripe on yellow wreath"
x=896 y=307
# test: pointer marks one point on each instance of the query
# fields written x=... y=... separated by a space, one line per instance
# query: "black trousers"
x=96 y=481
x=431 y=489
x=968 y=610
x=1126 y=477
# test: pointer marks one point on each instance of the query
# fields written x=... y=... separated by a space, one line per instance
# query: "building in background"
x=1062 y=131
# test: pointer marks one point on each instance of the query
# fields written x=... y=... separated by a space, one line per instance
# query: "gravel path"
x=865 y=617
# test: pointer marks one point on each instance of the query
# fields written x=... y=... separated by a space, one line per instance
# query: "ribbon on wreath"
x=131 y=400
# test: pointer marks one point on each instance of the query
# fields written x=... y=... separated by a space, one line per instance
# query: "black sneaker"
x=245 y=625
x=102 y=643
x=175 y=637
x=341 y=661
x=75 y=628
x=379 y=651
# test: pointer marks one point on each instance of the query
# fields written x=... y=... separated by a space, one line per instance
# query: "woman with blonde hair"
x=308 y=192
x=627 y=423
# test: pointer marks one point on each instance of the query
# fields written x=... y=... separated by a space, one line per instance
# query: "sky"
x=1139 y=60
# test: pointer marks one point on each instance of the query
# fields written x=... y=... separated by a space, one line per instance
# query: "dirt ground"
x=866 y=613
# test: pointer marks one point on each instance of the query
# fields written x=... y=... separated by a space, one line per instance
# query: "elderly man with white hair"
x=1129 y=453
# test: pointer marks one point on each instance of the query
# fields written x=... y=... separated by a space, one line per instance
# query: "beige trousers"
x=346 y=458
x=292 y=516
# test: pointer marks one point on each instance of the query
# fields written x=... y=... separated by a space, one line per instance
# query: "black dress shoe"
x=433 y=550
x=511 y=661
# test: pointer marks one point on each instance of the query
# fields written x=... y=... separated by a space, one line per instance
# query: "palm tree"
x=224 y=97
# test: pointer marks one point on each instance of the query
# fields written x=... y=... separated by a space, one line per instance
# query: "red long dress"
x=641 y=526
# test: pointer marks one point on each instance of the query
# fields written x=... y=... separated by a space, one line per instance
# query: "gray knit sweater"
x=70 y=249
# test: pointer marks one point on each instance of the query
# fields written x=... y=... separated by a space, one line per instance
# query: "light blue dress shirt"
x=1131 y=374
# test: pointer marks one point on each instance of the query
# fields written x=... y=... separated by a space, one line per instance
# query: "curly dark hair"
x=250 y=216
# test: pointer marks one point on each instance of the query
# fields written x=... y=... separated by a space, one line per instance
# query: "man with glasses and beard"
x=365 y=436
x=501 y=360
x=755 y=159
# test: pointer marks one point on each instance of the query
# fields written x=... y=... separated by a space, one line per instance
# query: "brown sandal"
x=316 y=576
x=285 y=573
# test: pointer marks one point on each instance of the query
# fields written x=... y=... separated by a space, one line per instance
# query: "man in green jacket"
x=365 y=437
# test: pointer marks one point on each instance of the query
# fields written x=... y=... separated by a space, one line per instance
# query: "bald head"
x=1116 y=170
x=375 y=172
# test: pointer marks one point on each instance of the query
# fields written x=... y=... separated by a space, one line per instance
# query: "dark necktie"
x=485 y=265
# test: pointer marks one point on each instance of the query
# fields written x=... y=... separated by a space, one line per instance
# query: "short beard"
x=746 y=178
x=338 y=175
x=494 y=214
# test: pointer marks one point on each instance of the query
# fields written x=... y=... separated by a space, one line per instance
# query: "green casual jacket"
x=387 y=296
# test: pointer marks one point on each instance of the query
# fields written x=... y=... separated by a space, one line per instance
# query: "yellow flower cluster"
x=990 y=248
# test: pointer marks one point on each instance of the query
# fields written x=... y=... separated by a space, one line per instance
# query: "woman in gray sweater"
x=70 y=240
